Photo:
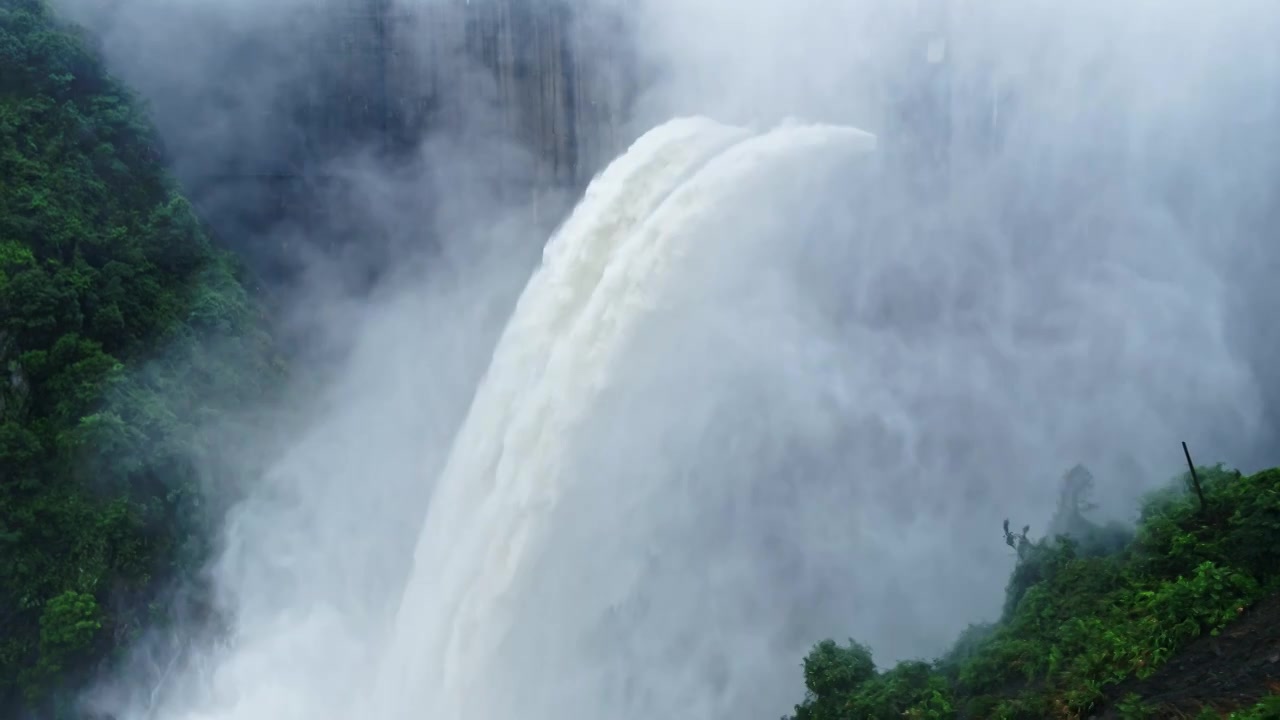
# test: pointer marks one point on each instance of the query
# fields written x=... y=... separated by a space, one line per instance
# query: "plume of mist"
x=849 y=384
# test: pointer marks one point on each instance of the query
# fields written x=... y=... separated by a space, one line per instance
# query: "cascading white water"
x=316 y=652
x=602 y=271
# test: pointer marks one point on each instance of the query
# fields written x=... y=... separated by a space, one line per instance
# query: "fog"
x=855 y=368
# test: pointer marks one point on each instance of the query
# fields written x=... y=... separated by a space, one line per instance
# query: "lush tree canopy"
x=125 y=339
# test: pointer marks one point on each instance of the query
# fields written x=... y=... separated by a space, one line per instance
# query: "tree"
x=122 y=331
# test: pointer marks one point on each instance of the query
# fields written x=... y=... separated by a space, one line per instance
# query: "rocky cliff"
x=262 y=109
x=530 y=94
x=554 y=78
x=561 y=79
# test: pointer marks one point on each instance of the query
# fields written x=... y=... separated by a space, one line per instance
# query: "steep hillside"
x=1231 y=669
x=1176 y=620
x=126 y=340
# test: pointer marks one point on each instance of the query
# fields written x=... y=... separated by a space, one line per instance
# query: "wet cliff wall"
x=552 y=77
x=529 y=96
x=281 y=121
x=562 y=85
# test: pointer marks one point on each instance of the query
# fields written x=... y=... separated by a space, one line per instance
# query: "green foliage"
x=67 y=628
x=1267 y=709
x=1131 y=707
x=832 y=673
x=843 y=683
x=909 y=690
x=1239 y=529
x=1084 y=611
x=124 y=337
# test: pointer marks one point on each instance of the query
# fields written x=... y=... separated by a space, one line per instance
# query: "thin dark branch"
x=1195 y=478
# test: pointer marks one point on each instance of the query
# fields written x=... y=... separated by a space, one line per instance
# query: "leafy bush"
x=843 y=683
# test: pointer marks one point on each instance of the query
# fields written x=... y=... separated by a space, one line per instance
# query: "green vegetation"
x=1268 y=709
x=125 y=340
x=1086 y=610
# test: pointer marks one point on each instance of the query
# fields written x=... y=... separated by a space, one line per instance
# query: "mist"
x=850 y=368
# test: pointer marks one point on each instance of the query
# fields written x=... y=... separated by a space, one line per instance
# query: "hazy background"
x=855 y=377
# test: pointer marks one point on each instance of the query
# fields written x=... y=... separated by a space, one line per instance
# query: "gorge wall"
x=276 y=118
x=557 y=78
x=530 y=93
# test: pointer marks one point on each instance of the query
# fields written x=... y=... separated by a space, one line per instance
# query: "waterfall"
x=601 y=273
x=754 y=396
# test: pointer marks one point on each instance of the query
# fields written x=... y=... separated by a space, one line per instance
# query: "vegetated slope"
x=1098 y=619
x=124 y=339
x=1218 y=672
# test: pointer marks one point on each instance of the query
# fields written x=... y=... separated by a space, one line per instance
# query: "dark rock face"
x=551 y=80
x=283 y=122
x=530 y=95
